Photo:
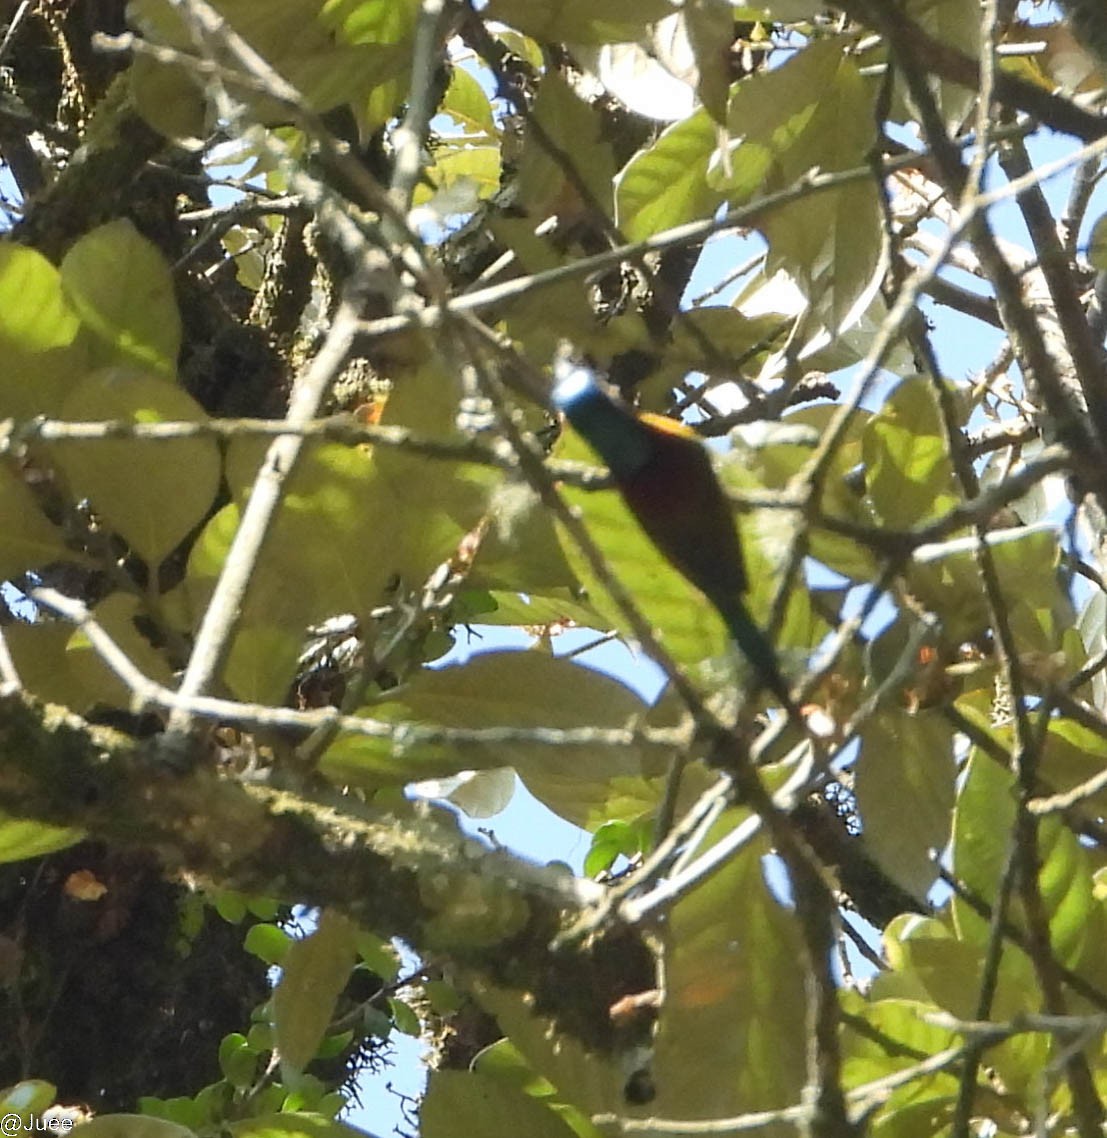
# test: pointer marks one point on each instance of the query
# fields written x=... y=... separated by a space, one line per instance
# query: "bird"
x=666 y=479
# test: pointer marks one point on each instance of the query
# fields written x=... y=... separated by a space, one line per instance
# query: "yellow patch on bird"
x=669 y=426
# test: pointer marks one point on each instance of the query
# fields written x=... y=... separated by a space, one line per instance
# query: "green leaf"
x=906 y=758
x=264 y=908
x=264 y=657
x=909 y=475
x=356 y=52
x=230 y=905
x=542 y=1056
x=293 y=1124
x=504 y=1061
x=237 y=1060
x=315 y=970
x=812 y=113
x=897 y=1034
x=572 y=127
x=1065 y=881
x=732 y=998
x=351 y=524
x=612 y=840
x=28 y=1098
x=378 y=955
x=193 y=1114
x=369 y=21
x=21 y=838
x=929 y=958
x=151 y=491
x=580 y=21
x=267 y=942
x=39 y=652
x=334 y=1045
x=982 y=828
x=467 y=104
x=35 y=314
x=40 y=350
x=504 y=689
x=666 y=184
x=122 y=288
x=831 y=247
x=261 y=1036
x=710 y=28
x=460 y=177
x=1073 y=754
x=404 y=1017
x=132 y=1126
x=777 y=462
x=945 y=578
x=459 y=1104
x=167 y=100
x=444 y=998
x=119 y=615
x=27 y=539
x=954 y=23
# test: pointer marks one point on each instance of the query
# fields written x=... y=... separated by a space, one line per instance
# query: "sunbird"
x=666 y=479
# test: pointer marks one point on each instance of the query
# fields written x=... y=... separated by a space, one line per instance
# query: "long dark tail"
x=755 y=646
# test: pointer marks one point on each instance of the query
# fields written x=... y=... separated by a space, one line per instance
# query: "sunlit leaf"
x=909 y=475
x=462 y=1103
x=21 y=838
x=121 y=286
x=133 y=1126
x=666 y=184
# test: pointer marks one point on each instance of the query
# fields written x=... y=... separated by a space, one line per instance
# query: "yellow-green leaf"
x=666 y=184
x=574 y=128
x=27 y=539
x=909 y=474
x=34 y=312
x=460 y=1104
x=21 y=838
x=292 y=1124
x=505 y=689
x=121 y=286
x=467 y=104
x=314 y=972
x=732 y=999
x=812 y=113
x=549 y=1056
x=132 y=1126
x=151 y=491
x=906 y=758
x=116 y=615
x=710 y=27
x=580 y=21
